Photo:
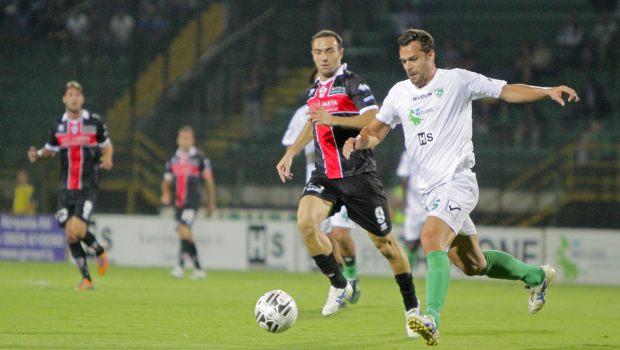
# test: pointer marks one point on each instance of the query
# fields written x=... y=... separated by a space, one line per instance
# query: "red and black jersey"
x=186 y=169
x=344 y=95
x=79 y=143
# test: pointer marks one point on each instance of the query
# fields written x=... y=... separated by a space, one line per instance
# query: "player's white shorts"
x=453 y=201
x=341 y=219
x=414 y=222
x=326 y=226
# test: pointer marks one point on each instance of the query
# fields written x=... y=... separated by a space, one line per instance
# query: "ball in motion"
x=276 y=311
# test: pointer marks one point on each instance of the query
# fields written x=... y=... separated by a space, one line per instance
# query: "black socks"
x=407 y=289
x=91 y=241
x=329 y=267
x=189 y=248
x=77 y=252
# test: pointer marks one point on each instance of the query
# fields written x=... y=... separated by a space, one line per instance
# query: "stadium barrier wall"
x=579 y=256
x=31 y=238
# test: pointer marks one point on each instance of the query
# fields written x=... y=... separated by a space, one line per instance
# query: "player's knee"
x=307 y=227
x=472 y=269
x=386 y=248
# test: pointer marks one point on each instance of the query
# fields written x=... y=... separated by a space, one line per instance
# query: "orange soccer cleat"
x=85 y=285
x=102 y=262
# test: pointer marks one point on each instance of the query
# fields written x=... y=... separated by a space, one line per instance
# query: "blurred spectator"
x=404 y=19
x=121 y=28
x=470 y=56
x=603 y=35
x=594 y=104
x=330 y=16
x=78 y=25
x=523 y=63
x=569 y=38
x=151 y=24
x=528 y=125
x=253 y=109
x=604 y=6
x=595 y=145
x=541 y=60
x=450 y=55
x=24 y=202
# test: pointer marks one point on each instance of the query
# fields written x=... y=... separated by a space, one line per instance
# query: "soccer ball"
x=276 y=311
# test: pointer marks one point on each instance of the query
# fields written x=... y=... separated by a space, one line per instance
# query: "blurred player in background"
x=82 y=140
x=434 y=108
x=338 y=227
x=335 y=97
x=187 y=170
x=415 y=214
x=24 y=202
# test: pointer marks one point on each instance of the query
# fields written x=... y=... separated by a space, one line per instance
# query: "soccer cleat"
x=426 y=327
x=85 y=285
x=357 y=291
x=177 y=272
x=409 y=314
x=102 y=262
x=538 y=295
x=198 y=275
x=335 y=298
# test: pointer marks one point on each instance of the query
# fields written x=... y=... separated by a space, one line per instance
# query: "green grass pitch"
x=133 y=308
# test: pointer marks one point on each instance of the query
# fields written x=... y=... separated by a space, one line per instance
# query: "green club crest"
x=439 y=92
x=413 y=118
x=435 y=204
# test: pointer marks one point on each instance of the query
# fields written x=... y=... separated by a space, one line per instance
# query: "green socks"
x=412 y=256
x=503 y=266
x=350 y=267
x=437 y=282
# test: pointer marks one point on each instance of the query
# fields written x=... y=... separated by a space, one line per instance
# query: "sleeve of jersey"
x=52 y=141
x=361 y=95
x=102 y=135
x=168 y=174
x=388 y=114
x=294 y=128
x=480 y=86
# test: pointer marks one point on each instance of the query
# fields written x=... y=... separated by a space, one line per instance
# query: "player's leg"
x=413 y=229
x=185 y=233
x=342 y=230
x=83 y=210
x=327 y=228
x=75 y=230
x=312 y=211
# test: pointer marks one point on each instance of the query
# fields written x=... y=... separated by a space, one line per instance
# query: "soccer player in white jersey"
x=337 y=227
x=434 y=108
x=415 y=214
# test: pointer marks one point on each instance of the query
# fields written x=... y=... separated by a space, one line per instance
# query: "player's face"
x=326 y=56
x=73 y=100
x=417 y=63
x=185 y=140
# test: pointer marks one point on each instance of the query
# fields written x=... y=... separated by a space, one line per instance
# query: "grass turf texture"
x=133 y=308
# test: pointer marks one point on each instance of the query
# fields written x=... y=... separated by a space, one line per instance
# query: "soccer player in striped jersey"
x=334 y=98
x=434 y=107
x=82 y=141
x=187 y=171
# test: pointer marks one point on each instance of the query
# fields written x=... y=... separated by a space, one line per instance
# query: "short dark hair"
x=410 y=35
x=186 y=128
x=73 y=84
x=312 y=77
x=327 y=34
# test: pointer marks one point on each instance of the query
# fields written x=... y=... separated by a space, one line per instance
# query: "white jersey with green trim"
x=437 y=122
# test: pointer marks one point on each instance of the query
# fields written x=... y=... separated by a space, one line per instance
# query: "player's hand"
x=320 y=116
x=557 y=93
x=32 y=154
x=352 y=145
x=211 y=209
x=284 y=167
x=165 y=199
x=106 y=163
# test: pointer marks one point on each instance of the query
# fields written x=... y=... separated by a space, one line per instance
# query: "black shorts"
x=185 y=215
x=362 y=195
x=78 y=203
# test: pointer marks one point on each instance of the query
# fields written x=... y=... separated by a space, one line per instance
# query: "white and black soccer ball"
x=276 y=311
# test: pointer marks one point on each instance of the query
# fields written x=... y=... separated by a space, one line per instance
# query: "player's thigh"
x=465 y=252
x=75 y=228
x=312 y=211
x=185 y=232
x=436 y=235
x=66 y=207
x=84 y=205
x=366 y=203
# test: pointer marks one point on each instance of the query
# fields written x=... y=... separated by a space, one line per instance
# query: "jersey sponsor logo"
x=65 y=140
x=363 y=87
x=369 y=98
x=413 y=118
x=439 y=92
x=436 y=204
x=338 y=90
x=415 y=98
x=453 y=208
x=322 y=91
x=425 y=138
x=315 y=188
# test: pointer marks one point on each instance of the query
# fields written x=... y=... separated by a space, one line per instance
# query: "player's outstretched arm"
x=34 y=154
x=284 y=166
x=321 y=117
x=106 y=158
x=518 y=93
x=369 y=137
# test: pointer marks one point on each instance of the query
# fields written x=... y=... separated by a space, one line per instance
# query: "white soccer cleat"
x=426 y=327
x=538 y=295
x=409 y=314
x=177 y=272
x=335 y=298
x=198 y=275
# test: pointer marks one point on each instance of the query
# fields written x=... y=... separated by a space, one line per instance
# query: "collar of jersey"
x=192 y=151
x=85 y=116
x=340 y=71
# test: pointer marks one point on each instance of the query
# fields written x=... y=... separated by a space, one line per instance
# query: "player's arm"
x=369 y=137
x=207 y=175
x=321 y=117
x=518 y=93
x=106 y=157
x=43 y=153
x=284 y=166
x=166 y=190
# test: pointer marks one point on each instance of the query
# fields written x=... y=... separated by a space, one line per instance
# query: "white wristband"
x=40 y=153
